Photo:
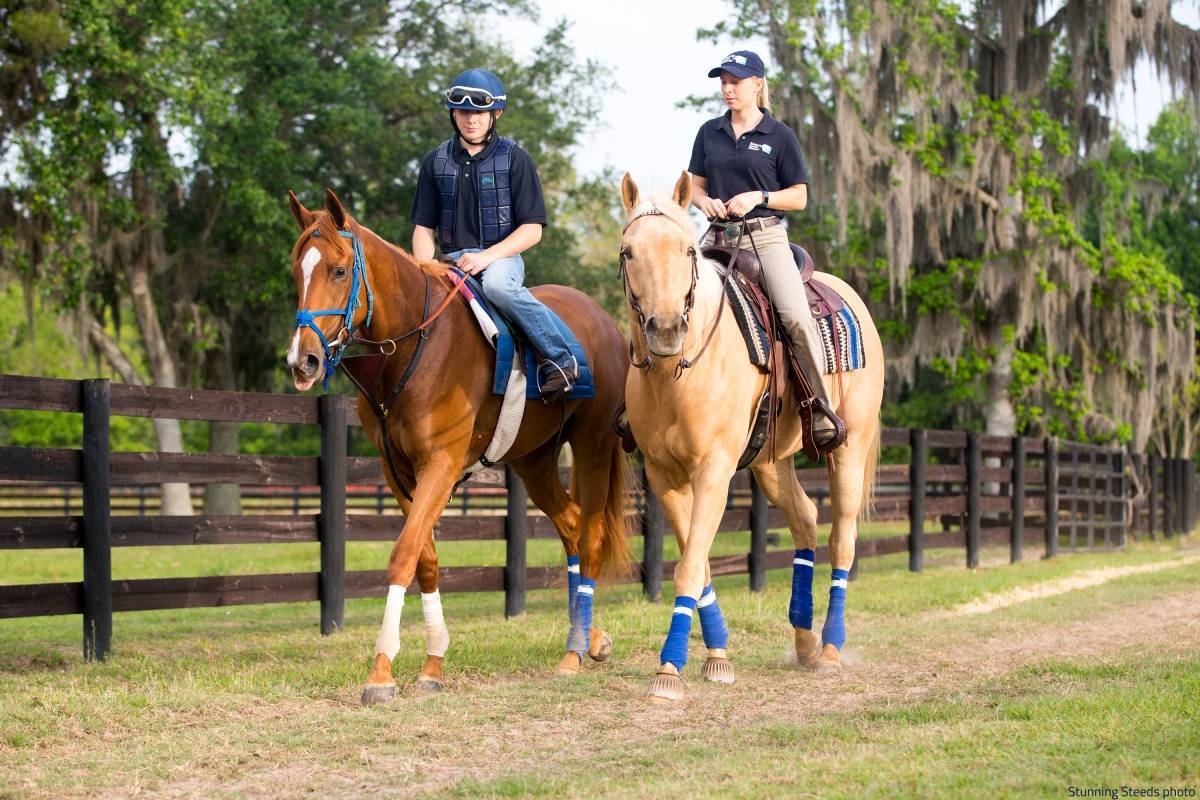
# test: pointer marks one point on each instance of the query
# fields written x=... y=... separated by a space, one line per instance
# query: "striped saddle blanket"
x=839 y=328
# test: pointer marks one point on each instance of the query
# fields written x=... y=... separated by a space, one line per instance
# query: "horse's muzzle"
x=666 y=339
x=307 y=367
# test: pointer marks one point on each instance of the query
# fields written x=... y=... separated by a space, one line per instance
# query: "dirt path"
x=509 y=734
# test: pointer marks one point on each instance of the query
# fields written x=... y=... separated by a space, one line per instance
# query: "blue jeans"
x=504 y=284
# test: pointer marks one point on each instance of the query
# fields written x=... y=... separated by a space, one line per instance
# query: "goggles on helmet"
x=475 y=97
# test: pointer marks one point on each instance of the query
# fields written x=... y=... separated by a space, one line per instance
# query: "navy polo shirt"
x=528 y=205
x=766 y=158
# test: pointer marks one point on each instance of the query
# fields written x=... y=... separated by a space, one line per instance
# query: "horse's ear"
x=629 y=193
x=303 y=215
x=683 y=190
x=335 y=208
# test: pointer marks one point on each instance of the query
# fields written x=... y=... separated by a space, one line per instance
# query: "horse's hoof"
x=667 y=686
x=600 y=645
x=568 y=665
x=374 y=694
x=717 y=670
x=429 y=685
x=829 y=662
x=808 y=648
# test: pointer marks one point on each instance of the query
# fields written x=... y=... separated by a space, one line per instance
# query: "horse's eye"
x=339 y=272
x=625 y=254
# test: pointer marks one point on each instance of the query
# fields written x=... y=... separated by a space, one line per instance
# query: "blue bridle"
x=305 y=318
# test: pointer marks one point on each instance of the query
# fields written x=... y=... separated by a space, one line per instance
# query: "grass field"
x=1000 y=682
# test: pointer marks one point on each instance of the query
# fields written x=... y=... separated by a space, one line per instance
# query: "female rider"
x=747 y=166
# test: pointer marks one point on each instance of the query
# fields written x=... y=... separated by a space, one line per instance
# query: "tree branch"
x=108 y=347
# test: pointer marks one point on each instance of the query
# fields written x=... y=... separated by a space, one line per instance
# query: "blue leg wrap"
x=800 y=610
x=834 y=632
x=712 y=621
x=572 y=584
x=675 y=648
x=581 y=621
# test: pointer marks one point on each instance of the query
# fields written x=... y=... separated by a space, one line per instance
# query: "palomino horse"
x=692 y=424
x=432 y=413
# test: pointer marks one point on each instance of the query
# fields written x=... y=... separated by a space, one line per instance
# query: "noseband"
x=306 y=318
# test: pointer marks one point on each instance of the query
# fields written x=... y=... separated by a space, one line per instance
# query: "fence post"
x=1153 y=517
x=331 y=522
x=1168 y=515
x=516 y=534
x=1051 y=496
x=1189 y=494
x=758 y=536
x=1017 y=541
x=974 y=488
x=1128 y=515
x=652 y=543
x=97 y=534
x=918 y=442
x=1180 y=497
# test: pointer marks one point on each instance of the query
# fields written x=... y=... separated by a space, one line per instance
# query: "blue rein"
x=306 y=318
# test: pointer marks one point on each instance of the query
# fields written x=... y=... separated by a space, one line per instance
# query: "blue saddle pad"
x=510 y=339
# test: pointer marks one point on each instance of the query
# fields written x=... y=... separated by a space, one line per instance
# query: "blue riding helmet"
x=476 y=90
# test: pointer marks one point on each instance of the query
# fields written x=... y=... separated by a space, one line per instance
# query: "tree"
x=950 y=150
x=157 y=142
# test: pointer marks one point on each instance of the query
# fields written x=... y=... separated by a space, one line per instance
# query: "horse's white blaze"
x=437 y=636
x=311 y=259
x=293 y=356
x=388 y=641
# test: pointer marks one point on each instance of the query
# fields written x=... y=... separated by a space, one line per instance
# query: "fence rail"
x=982 y=490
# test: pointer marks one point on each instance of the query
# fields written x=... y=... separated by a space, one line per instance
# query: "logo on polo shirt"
x=766 y=148
x=488 y=179
x=734 y=57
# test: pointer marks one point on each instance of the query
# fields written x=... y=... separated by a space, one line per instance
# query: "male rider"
x=479 y=198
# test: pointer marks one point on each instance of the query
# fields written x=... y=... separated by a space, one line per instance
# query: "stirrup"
x=830 y=439
x=559 y=383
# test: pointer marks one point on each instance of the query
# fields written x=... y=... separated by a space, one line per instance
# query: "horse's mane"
x=324 y=227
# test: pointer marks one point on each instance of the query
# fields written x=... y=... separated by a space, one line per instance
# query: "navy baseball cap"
x=740 y=64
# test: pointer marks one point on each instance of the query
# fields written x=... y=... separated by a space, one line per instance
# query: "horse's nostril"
x=311 y=364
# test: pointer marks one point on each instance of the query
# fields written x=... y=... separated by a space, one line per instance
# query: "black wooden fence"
x=979 y=490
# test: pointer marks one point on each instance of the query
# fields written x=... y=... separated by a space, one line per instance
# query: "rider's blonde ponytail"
x=764 y=95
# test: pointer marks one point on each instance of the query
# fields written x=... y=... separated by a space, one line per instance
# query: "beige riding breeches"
x=781 y=278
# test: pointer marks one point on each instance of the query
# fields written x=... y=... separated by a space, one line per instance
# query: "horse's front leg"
x=709 y=489
x=437 y=635
x=434 y=485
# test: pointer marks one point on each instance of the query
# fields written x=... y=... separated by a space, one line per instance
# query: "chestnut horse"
x=433 y=408
x=693 y=422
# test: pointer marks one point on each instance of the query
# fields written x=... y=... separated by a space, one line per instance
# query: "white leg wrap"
x=437 y=636
x=388 y=641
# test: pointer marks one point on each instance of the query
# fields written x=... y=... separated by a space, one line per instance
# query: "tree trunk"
x=148 y=254
x=999 y=415
x=222 y=498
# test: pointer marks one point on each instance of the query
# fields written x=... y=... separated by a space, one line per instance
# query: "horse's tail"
x=870 y=473
x=615 y=560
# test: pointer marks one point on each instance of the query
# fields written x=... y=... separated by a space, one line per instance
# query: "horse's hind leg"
x=539 y=472
x=847 y=485
x=437 y=636
x=780 y=485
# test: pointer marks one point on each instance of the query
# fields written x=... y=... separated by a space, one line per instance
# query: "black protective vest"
x=493 y=187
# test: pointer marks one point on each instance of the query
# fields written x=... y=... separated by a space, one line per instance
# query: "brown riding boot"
x=557 y=382
x=829 y=431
